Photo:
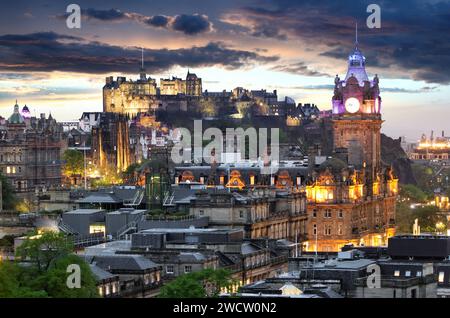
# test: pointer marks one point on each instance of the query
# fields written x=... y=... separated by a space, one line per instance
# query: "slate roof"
x=123 y=262
x=99 y=273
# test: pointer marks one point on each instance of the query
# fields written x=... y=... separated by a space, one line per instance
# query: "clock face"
x=352 y=105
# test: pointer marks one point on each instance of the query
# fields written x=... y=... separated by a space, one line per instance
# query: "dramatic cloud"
x=299 y=68
x=49 y=51
x=104 y=15
x=413 y=40
x=328 y=87
x=160 y=21
x=189 y=24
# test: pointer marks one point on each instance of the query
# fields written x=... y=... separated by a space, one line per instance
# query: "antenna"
x=356 y=34
x=142 y=57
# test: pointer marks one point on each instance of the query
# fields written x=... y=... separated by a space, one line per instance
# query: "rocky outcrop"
x=393 y=154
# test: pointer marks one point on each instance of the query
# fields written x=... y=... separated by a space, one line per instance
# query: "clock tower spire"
x=356 y=111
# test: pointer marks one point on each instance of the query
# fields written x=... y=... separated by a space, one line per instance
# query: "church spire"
x=356 y=35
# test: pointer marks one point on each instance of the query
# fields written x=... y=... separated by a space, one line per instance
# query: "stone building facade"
x=30 y=151
x=351 y=198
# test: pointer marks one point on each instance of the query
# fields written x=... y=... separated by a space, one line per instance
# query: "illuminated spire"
x=356 y=35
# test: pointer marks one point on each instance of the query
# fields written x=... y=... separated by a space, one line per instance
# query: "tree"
x=205 y=283
x=413 y=193
x=54 y=281
x=74 y=162
x=49 y=255
x=428 y=216
x=9 y=285
x=43 y=249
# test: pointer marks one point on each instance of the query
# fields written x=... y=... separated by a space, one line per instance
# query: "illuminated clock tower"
x=356 y=119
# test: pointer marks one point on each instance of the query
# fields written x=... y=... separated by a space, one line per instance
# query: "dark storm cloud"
x=158 y=21
x=50 y=51
x=104 y=15
x=189 y=24
x=414 y=35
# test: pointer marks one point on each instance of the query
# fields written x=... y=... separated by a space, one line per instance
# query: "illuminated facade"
x=352 y=199
x=111 y=149
x=433 y=148
x=140 y=96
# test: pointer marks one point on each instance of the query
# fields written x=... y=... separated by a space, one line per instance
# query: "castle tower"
x=356 y=120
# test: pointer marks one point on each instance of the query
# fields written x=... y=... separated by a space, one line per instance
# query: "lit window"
x=441 y=277
x=408 y=273
x=100 y=291
x=397 y=273
x=419 y=274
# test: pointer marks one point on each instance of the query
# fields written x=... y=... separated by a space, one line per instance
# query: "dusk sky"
x=296 y=47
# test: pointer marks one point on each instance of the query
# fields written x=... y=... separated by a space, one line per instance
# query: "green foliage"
x=428 y=216
x=201 y=284
x=74 y=162
x=424 y=176
x=413 y=193
x=54 y=280
x=48 y=255
x=42 y=250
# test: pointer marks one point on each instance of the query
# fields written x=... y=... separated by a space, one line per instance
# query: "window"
x=397 y=273
x=327 y=230
x=169 y=269
x=314 y=213
x=100 y=290
x=314 y=229
x=419 y=274
x=441 y=277
x=201 y=212
x=187 y=269
x=414 y=293
x=340 y=229
x=408 y=273
x=327 y=214
x=241 y=214
x=341 y=214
